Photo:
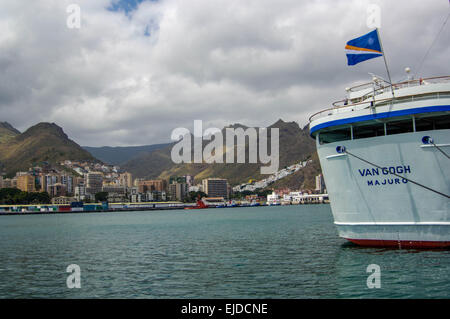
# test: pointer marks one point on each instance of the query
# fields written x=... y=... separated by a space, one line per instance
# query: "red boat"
x=200 y=205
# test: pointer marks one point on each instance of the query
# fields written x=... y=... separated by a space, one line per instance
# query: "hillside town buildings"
x=84 y=182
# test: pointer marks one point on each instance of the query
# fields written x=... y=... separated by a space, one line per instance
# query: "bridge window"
x=428 y=123
x=342 y=134
x=398 y=127
x=368 y=130
x=423 y=122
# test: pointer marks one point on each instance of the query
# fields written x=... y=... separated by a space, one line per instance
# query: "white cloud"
x=223 y=62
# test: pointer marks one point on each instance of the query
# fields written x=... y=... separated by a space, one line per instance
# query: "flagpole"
x=385 y=63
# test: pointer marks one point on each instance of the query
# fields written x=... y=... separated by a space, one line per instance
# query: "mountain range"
x=7 y=131
x=295 y=145
x=119 y=155
x=41 y=143
x=47 y=142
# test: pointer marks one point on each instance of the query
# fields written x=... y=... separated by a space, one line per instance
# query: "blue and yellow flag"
x=363 y=48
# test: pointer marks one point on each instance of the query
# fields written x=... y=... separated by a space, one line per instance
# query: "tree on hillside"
x=101 y=197
x=14 y=196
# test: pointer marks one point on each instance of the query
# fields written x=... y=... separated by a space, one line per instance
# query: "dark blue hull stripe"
x=427 y=109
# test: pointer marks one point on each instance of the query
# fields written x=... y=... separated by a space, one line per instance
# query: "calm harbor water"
x=254 y=252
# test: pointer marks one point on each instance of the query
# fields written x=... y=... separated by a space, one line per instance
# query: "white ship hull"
x=371 y=205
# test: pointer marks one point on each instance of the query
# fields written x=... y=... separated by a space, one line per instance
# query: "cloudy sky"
x=136 y=70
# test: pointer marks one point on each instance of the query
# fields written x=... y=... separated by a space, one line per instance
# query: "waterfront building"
x=62 y=200
x=78 y=181
x=116 y=198
x=133 y=190
x=158 y=185
x=137 y=181
x=320 y=184
x=196 y=188
x=7 y=183
x=80 y=192
x=153 y=196
x=273 y=199
x=46 y=181
x=26 y=183
x=14 y=182
x=94 y=182
x=18 y=174
x=67 y=180
x=178 y=191
x=126 y=179
x=57 y=190
x=116 y=193
x=295 y=197
x=215 y=187
x=189 y=180
x=116 y=189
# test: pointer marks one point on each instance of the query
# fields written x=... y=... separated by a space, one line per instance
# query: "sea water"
x=252 y=252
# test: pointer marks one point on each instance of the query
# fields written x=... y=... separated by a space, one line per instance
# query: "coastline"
x=131 y=209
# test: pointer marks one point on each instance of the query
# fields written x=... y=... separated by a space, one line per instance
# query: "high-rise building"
x=22 y=174
x=78 y=181
x=80 y=192
x=7 y=183
x=26 y=183
x=67 y=180
x=116 y=189
x=126 y=179
x=158 y=185
x=215 y=187
x=320 y=184
x=14 y=182
x=57 y=190
x=178 y=191
x=47 y=181
x=94 y=182
x=189 y=180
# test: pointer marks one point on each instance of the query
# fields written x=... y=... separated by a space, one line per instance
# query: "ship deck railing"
x=347 y=105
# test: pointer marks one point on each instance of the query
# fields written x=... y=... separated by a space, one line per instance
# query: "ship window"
x=440 y=122
x=368 y=130
x=444 y=95
x=398 y=127
x=336 y=135
x=424 y=124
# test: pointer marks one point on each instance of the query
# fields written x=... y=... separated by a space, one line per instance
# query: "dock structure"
x=86 y=207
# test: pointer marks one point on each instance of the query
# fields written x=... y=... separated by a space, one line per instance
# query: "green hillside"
x=44 y=142
x=7 y=132
x=121 y=154
x=295 y=145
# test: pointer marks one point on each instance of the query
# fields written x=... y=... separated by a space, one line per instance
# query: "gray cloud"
x=130 y=79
